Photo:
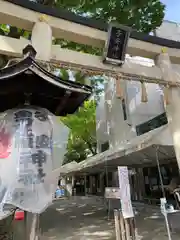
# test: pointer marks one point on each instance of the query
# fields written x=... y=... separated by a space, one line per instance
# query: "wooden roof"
x=140 y=151
x=27 y=80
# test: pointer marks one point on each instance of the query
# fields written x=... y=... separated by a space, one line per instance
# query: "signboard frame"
x=112 y=193
x=118 y=36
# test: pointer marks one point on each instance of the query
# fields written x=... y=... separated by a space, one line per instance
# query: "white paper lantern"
x=32 y=146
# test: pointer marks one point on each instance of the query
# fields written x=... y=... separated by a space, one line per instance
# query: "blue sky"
x=172 y=10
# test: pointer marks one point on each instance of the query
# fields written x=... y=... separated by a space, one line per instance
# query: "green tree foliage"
x=82 y=124
x=82 y=139
x=143 y=15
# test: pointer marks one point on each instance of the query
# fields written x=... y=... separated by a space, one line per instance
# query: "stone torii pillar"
x=173 y=107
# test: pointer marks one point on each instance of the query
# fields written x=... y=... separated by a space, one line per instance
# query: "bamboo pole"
x=127 y=229
x=133 y=228
x=117 y=226
x=122 y=228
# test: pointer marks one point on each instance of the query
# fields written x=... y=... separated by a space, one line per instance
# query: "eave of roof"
x=49 y=91
x=139 y=151
x=29 y=63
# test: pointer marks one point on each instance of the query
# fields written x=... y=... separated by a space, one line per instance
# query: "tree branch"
x=90 y=146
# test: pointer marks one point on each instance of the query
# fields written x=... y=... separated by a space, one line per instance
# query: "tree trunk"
x=6 y=228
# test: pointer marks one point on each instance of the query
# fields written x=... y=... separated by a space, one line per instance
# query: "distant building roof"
x=169 y=30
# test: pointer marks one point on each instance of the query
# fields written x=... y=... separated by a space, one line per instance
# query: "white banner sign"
x=125 y=194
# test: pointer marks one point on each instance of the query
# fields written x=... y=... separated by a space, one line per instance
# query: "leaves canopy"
x=143 y=15
x=82 y=139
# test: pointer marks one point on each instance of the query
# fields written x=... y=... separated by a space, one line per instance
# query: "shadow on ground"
x=86 y=219
x=76 y=219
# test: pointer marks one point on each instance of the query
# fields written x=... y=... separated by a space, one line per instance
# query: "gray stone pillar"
x=172 y=109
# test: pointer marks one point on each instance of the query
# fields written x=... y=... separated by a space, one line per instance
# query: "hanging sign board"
x=116 y=44
x=112 y=193
x=125 y=194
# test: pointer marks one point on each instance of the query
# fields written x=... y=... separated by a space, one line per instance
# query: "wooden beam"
x=13 y=47
x=24 y=18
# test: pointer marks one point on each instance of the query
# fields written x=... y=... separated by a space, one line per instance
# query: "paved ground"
x=86 y=219
x=78 y=219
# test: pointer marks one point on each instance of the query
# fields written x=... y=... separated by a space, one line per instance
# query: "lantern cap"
x=28 y=78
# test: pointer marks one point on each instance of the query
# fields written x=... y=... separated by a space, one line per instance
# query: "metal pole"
x=167 y=226
x=160 y=176
x=26 y=226
x=117 y=226
x=85 y=184
x=164 y=196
